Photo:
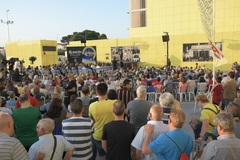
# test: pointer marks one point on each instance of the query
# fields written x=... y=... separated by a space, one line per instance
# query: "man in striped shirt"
x=10 y=148
x=78 y=131
x=125 y=94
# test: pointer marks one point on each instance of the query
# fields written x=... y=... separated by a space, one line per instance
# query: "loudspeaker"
x=165 y=38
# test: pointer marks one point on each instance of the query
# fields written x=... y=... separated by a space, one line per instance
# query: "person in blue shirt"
x=150 y=87
x=171 y=144
x=12 y=101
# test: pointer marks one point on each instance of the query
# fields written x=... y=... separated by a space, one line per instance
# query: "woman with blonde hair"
x=176 y=106
x=208 y=113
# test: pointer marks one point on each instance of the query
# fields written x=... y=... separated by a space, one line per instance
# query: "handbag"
x=195 y=123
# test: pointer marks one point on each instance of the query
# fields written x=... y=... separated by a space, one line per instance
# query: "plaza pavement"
x=188 y=108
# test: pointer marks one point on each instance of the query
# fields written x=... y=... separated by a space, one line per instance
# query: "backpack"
x=183 y=155
x=57 y=130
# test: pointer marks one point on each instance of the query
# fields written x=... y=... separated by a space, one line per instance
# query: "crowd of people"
x=80 y=111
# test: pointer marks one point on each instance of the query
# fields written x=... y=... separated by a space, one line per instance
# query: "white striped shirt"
x=78 y=131
x=11 y=148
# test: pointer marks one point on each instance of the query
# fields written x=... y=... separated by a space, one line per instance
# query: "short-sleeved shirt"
x=25 y=120
x=209 y=115
x=11 y=148
x=119 y=135
x=78 y=131
x=45 y=145
x=165 y=148
x=159 y=128
x=101 y=112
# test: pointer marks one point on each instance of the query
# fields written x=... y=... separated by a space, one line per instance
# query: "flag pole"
x=213 y=38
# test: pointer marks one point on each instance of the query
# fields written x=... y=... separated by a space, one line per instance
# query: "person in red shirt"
x=33 y=101
x=158 y=82
x=217 y=91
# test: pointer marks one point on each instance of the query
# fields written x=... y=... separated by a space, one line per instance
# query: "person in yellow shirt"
x=101 y=112
x=208 y=113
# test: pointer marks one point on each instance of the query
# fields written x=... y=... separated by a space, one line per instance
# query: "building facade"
x=188 y=43
x=44 y=50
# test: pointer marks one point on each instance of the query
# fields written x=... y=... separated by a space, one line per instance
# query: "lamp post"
x=7 y=22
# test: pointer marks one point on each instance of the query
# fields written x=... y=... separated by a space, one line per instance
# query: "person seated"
x=237 y=99
x=12 y=101
x=150 y=87
x=3 y=107
x=234 y=109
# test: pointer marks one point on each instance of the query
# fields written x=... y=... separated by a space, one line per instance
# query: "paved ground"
x=187 y=108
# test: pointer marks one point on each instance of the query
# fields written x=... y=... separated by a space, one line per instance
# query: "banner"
x=126 y=54
x=82 y=54
x=199 y=52
x=208 y=21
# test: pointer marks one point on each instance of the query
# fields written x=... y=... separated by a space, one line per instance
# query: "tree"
x=84 y=35
x=102 y=36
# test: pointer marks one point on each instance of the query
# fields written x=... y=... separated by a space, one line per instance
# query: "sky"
x=53 y=19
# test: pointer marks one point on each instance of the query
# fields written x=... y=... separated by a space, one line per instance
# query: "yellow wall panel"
x=26 y=49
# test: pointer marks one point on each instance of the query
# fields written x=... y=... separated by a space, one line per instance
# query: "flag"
x=220 y=59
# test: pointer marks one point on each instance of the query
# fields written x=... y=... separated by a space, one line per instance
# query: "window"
x=49 y=48
x=138 y=13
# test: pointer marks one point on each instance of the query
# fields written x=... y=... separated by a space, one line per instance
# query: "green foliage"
x=61 y=52
x=86 y=34
x=32 y=59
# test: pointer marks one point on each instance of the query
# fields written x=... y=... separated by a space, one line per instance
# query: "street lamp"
x=7 y=22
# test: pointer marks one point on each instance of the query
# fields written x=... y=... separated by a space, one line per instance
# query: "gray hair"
x=48 y=124
x=226 y=121
x=141 y=91
x=166 y=100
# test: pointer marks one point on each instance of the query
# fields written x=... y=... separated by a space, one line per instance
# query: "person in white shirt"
x=155 y=116
x=46 y=142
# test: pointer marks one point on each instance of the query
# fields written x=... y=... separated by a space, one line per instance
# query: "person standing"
x=217 y=91
x=80 y=137
x=138 y=109
x=47 y=141
x=171 y=144
x=155 y=116
x=229 y=90
x=101 y=112
x=10 y=147
x=118 y=135
x=85 y=98
x=227 y=146
x=125 y=94
x=26 y=119
x=71 y=89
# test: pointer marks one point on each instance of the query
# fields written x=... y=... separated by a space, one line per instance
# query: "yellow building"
x=44 y=50
x=181 y=19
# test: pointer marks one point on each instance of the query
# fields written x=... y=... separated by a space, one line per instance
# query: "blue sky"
x=52 y=19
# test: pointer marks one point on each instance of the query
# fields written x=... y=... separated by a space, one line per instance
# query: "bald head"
x=6 y=124
x=156 y=112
